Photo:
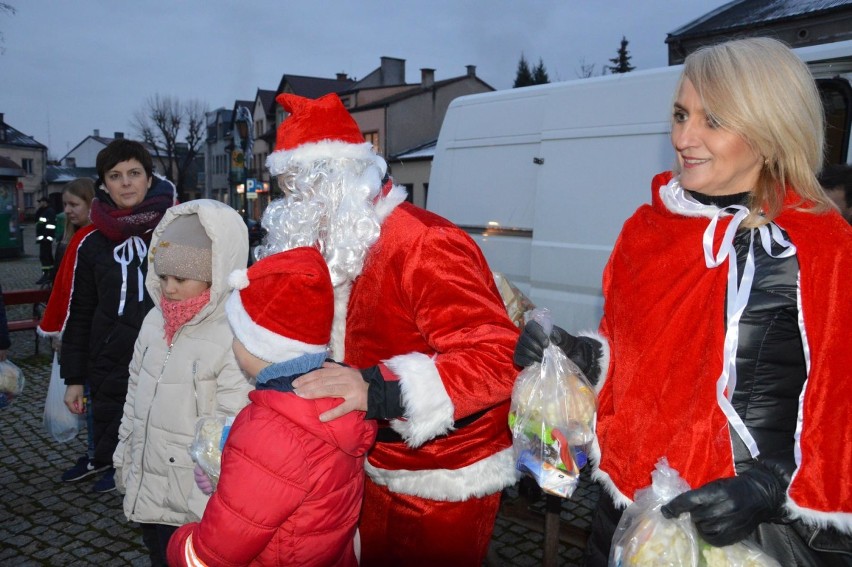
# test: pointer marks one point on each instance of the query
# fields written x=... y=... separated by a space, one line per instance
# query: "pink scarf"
x=176 y=313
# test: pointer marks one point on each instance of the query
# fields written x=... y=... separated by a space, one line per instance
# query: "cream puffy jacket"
x=171 y=386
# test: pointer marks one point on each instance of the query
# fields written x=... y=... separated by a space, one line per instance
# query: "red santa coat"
x=290 y=490
x=427 y=308
x=659 y=396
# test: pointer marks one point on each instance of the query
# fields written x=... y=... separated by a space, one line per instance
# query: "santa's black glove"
x=533 y=341
x=727 y=510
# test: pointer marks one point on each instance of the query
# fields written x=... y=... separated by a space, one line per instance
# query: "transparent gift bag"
x=11 y=382
x=646 y=538
x=742 y=554
x=206 y=447
x=552 y=417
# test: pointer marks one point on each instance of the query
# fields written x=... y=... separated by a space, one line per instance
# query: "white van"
x=544 y=177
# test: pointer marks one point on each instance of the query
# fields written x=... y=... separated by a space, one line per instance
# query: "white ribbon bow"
x=738 y=294
x=124 y=254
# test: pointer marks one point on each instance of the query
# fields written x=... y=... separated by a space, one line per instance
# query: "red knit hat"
x=316 y=129
x=282 y=306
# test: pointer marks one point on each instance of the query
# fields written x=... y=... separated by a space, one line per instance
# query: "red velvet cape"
x=664 y=316
x=53 y=321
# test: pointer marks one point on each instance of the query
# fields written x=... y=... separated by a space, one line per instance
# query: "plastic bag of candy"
x=11 y=382
x=206 y=447
x=552 y=417
x=644 y=537
x=742 y=554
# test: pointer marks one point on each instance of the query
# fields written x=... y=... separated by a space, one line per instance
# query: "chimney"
x=471 y=70
x=119 y=135
x=342 y=77
x=392 y=71
x=1 y=119
x=97 y=133
x=427 y=77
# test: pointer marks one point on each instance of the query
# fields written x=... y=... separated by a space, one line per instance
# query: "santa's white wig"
x=330 y=203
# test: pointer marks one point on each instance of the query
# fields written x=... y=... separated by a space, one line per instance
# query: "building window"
x=27 y=165
x=29 y=200
x=409 y=192
x=373 y=138
x=425 y=194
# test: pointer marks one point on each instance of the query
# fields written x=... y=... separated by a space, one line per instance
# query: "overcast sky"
x=69 y=67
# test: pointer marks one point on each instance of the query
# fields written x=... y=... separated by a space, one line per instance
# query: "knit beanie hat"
x=283 y=305
x=184 y=250
x=316 y=129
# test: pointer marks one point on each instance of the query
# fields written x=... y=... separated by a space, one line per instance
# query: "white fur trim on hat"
x=278 y=161
x=262 y=342
x=487 y=476
x=238 y=279
x=427 y=406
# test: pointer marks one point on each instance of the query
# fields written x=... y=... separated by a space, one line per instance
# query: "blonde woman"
x=727 y=306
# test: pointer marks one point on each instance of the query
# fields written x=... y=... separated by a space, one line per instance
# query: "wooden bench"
x=37 y=298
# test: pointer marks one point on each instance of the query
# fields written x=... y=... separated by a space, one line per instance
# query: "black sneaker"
x=83 y=469
x=106 y=483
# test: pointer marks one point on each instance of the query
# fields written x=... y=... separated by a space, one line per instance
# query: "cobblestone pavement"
x=47 y=522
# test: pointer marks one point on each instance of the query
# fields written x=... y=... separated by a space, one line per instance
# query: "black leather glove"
x=533 y=341
x=727 y=510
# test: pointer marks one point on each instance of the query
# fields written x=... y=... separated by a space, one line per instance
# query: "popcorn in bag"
x=206 y=447
x=645 y=538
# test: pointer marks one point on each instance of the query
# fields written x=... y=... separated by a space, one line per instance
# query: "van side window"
x=836 y=95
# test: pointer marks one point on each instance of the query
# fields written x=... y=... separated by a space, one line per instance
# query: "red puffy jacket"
x=290 y=490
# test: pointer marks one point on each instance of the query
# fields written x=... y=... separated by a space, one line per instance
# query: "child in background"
x=290 y=487
x=182 y=368
x=77 y=199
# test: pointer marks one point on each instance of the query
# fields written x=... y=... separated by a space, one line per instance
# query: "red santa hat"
x=316 y=129
x=282 y=306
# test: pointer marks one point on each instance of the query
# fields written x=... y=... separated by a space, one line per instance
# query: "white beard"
x=330 y=206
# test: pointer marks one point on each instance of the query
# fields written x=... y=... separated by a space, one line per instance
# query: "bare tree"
x=586 y=69
x=176 y=131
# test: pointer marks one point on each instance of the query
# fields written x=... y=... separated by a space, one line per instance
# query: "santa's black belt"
x=388 y=435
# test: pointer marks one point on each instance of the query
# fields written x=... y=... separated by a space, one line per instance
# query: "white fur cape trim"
x=278 y=161
x=484 y=477
x=678 y=201
x=427 y=406
x=262 y=342
x=389 y=202
x=842 y=521
x=603 y=362
x=620 y=500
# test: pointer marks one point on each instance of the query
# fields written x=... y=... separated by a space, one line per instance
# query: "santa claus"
x=423 y=333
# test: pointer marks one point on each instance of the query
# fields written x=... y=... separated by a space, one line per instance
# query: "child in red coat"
x=290 y=487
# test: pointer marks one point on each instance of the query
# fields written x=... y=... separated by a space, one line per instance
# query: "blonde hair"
x=759 y=89
x=82 y=188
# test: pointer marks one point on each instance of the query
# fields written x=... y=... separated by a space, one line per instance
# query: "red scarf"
x=176 y=313
x=659 y=396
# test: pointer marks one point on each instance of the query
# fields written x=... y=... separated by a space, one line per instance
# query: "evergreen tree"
x=539 y=74
x=524 y=76
x=621 y=62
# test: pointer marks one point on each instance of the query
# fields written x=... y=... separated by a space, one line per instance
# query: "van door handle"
x=538 y=161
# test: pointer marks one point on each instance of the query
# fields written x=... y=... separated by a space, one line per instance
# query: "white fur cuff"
x=427 y=407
